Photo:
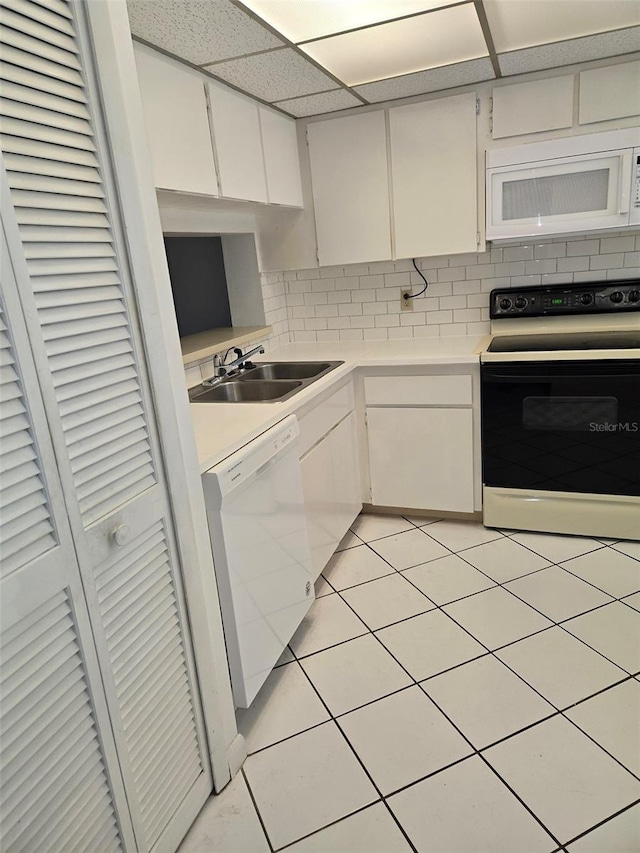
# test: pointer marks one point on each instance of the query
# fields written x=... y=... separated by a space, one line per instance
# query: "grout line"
x=602 y=822
x=255 y=805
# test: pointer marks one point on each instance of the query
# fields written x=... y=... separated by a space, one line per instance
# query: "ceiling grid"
x=308 y=57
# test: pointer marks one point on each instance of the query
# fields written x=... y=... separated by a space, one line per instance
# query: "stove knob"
x=586 y=298
x=521 y=302
x=616 y=296
x=634 y=296
x=505 y=304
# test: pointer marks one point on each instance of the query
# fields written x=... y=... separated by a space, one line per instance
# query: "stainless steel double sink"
x=271 y=382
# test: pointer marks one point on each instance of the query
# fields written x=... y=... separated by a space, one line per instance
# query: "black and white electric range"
x=561 y=410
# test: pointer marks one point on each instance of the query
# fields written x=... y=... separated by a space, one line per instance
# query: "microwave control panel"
x=593 y=298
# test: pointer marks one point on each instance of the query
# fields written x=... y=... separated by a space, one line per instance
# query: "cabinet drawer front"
x=418 y=390
x=317 y=423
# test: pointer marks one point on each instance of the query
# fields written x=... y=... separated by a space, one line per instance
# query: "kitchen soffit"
x=308 y=57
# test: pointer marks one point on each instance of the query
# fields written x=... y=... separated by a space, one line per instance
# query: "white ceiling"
x=315 y=56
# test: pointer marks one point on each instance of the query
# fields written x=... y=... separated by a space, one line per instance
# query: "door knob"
x=121 y=534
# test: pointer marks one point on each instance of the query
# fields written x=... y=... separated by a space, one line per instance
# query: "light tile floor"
x=453 y=690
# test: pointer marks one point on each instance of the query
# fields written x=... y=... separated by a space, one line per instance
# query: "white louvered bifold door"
x=89 y=350
x=60 y=785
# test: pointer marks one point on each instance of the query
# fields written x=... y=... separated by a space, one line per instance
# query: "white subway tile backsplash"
x=351 y=335
x=452 y=274
x=577 y=264
x=607 y=262
x=466 y=287
x=617 y=244
x=371 y=308
x=366 y=282
x=453 y=302
x=496 y=256
x=488 y=284
x=517 y=253
x=439 y=317
x=557 y=278
x=363 y=295
x=338 y=297
x=632 y=259
x=539 y=267
x=397 y=279
x=315 y=299
x=315 y=325
x=511 y=268
x=481 y=271
x=323 y=285
x=401 y=332
x=349 y=309
x=467 y=315
x=362 y=322
x=549 y=250
x=417 y=318
x=583 y=247
x=626 y=273
x=590 y=275
x=383 y=320
x=326 y=310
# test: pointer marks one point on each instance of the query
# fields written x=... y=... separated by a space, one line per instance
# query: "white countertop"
x=222 y=428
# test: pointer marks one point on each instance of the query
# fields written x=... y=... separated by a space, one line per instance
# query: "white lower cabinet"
x=331 y=486
x=422 y=439
x=421 y=458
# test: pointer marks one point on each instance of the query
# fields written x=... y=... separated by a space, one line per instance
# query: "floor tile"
x=560 y=667
x=323 y=588
x=328 y=621
x=421 y=521
x=372 y=830
x=564 y=778
x=428 y=644
x=557 y=594
x=228 y=821
x=619 y=835
x=556 y=547
x=609 y=570
x=354 y=566
x=457 y=535
x=306 y=782
x=285 y=705
x=495 y=617
x=354 y=673
x=632 y=549
x=349 y=540
x=504 y=560
x=402 y=738
x=447 y=579
x=486 y=700
x=386 y=600
x=612 y=718
x=369 y=526
x=409 y=549
x=469 y=811
x=613 y=630
x=633 y=600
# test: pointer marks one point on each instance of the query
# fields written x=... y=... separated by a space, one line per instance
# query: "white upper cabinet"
x=533 y=107
x=350 y=188
x=235 y=125
x=281 y=160
x=175 y=114
x=434 y=176
x=610 y=93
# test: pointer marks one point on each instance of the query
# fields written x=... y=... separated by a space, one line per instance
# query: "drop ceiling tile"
x=315 y=18
x=325 y=102
x=447 y=77
x=198 y=30
x=402 y=47
x=516 y=24
x=274 y=76
x=570 y=52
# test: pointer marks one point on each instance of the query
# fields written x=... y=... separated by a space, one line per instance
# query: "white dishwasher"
x=258 y=530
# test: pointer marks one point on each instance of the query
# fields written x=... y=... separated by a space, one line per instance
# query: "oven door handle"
x=490 y=378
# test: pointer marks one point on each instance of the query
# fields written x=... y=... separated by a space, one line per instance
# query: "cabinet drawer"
x=326 y=414
x=418 y=390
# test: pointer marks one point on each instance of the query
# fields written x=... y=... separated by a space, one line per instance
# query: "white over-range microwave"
x=570 y=185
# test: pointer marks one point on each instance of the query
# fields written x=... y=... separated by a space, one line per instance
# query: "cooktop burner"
x=568 y=341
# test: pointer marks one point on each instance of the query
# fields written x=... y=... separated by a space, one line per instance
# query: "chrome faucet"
x=221 y=370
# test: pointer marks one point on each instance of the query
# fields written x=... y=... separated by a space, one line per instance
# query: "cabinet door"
x=421 y=458
x=175 y=114
x=434 y=176
x=331 y=486
x=610 y=93
x=350 y=188
x=238 y=145
x=70 y=260
x=282 y=164
x=533 y=107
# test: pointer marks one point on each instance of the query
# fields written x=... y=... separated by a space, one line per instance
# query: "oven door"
x=564 y=426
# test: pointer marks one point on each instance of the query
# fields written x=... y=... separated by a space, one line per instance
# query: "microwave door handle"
x=624 y=194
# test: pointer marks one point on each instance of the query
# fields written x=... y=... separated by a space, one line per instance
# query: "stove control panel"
x=593 y=298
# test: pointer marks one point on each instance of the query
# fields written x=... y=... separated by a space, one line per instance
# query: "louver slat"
x=60 y=7
x=33 y=115
x=164 y=754
x=29 y=166
x=40 y=82
x=46 y=184
x=53 y=793
x=13 y=54
x=43 y=31
x=26 y=530
x=44 y=150
x=45 y=100
x=43 y=133
x=37 y=47
x=37 y=12
x=69 y=250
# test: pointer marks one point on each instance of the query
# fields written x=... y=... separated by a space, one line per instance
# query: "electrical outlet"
x=406 y=304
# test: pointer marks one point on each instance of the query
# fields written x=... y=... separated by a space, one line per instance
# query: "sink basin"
x=288 y=370
x=244 y=392
x=270 y=382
